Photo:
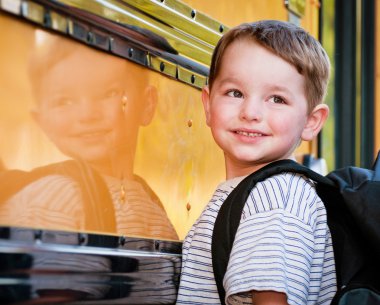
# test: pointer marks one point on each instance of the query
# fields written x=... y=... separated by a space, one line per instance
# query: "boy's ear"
x=206 y=103
x=315 y=121
x=36 y=115
x=150 y=97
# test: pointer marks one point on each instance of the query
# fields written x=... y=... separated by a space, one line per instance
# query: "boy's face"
x=257 y=109
x=80 y=106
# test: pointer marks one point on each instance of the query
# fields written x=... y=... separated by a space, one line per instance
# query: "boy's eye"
x=235 y=93
x=111 y=93
x=277 y=99
x=64 y=101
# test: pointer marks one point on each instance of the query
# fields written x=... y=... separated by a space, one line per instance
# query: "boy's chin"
x=92 y=158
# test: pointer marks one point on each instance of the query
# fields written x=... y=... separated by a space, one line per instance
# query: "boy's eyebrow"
x=229 y=79
x=278 y=88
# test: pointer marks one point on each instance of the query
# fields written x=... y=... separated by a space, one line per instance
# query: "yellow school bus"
x=105 y=157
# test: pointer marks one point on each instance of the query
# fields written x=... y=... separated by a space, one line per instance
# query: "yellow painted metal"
x=177 y=154
x=311 y=19
x=296 y=6
x=234 y=12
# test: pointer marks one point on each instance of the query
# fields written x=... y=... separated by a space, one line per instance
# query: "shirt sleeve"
x=273 y=248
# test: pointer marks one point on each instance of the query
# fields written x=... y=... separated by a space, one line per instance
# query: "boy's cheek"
x=54 y=126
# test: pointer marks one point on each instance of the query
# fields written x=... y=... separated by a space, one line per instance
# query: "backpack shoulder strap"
x=228 y=219
x=97 y=202
x=376 y=168
x=149 y=191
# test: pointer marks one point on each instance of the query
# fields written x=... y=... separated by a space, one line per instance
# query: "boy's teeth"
x=249 y=134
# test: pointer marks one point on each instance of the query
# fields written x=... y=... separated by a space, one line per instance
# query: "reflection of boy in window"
x=90 y=105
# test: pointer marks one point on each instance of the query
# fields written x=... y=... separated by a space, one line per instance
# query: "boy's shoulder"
x=229 y=184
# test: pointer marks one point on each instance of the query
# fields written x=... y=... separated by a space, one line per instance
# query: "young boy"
x=266 y=86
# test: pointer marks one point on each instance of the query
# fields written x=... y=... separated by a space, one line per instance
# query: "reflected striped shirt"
x=55 y=202
x=283 y=244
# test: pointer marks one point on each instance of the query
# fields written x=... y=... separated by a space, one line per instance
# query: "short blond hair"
x=291 y=43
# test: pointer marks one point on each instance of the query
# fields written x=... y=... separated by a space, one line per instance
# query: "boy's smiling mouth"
x=92 y=133
x=249 y=134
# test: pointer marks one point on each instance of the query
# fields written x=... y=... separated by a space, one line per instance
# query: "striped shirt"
x=283 y=244
x=55 y=202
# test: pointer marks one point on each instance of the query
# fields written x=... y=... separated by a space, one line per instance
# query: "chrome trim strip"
x=28 y=239
x=81 y=268
x=20 y=247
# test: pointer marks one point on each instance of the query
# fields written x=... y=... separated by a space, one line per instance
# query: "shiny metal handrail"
x=181 y=16
x=123 y=14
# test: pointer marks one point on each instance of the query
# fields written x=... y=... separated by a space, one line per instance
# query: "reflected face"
x=90 y=105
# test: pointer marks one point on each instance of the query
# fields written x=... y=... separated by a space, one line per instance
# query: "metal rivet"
x=47 y=19
x=38 y=235
x=188 y=206
x=221 y=28
x=90 y=37
x=193 y=13
x=130 y=52
x=81 y=238
x=122 y=241
x=110 y=43
x=190 y=123
x=162 y=66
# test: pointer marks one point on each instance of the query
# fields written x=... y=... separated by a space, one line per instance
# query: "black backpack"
x=351 y=196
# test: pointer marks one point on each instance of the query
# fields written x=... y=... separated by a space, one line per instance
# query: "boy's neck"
x=240 y=170
x=122 y=171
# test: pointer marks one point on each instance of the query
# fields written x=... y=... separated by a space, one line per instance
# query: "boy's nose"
x=88 y=110
x=251 y=110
